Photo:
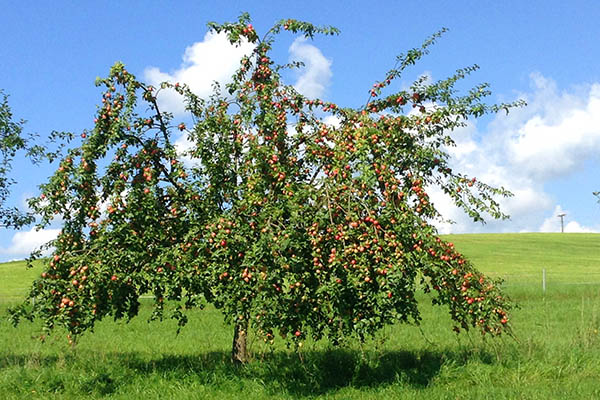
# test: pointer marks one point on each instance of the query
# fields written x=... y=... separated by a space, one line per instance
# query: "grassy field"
x=556 y=354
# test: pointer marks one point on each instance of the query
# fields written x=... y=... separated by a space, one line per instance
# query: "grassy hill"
x=15 y=280
x=520 y=257
x=556 y=353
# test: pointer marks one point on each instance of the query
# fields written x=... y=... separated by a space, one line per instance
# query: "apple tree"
x=289 y=225
x=13 y=141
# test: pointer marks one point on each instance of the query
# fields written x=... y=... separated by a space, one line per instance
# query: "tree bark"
x=239 y=353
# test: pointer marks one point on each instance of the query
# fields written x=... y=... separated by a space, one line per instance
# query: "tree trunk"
x=239 y=353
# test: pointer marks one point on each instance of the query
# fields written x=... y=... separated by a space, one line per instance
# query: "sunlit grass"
x=520 y=257
x=556 y=353
x=15 y=280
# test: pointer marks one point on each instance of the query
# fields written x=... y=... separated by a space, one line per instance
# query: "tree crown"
x=284 y=222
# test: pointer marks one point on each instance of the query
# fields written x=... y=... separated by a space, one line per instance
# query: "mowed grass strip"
x=556 y=354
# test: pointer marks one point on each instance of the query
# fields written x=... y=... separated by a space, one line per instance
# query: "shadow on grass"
x=319 y=372
x=54 y=374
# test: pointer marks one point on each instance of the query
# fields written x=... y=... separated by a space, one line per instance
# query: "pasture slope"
x=556 y=354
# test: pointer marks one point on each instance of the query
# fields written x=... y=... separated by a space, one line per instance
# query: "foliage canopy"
x=12 y=141
x=289 y=225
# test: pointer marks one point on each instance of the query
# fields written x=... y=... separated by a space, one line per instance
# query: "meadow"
x=555 y=353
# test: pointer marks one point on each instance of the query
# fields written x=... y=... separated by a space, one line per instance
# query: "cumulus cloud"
x=316 y=73
x=24 y=242
x=561 y=135
x=553 y=137
x=552 y=223
x=212 y=59
x=333 y=121
x=575 y=227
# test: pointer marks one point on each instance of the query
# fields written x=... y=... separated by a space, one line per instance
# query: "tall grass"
x=556 y=354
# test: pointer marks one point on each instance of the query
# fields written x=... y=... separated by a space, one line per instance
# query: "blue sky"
x=545 y=52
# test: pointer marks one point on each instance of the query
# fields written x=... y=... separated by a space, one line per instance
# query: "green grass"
x=15 y=281
x=556 y=355
x=520 y=257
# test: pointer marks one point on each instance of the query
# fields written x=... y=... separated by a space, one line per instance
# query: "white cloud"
x=575 y=227
x=550 y=138
x=333 y=121
x=561 y=135
x=316 y=73
x=24 y=242
x=465 y=142
x=552 y=223
x=213 y=59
